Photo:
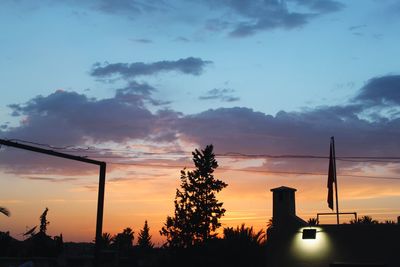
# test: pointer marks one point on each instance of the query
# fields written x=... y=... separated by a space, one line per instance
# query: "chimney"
x=284 y=207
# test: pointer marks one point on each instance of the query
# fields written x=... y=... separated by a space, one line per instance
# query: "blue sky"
x=254 y=77
x=51 y=45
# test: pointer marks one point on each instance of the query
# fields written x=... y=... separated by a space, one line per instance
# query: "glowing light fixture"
x=310 y=244
x=309 y=234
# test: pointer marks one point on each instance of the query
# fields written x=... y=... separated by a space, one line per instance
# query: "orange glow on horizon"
x=138 y=193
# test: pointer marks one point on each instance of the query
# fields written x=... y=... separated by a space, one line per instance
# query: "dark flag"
x=331 y=175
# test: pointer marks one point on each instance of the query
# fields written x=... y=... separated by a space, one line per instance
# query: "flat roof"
x=283 y=188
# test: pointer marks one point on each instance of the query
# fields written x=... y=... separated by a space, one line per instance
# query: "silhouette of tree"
x=313 y=221
x=31 y=232
x=197 y=210
x=364 y=220
x=40 y=244
x=43 y=222
x=270 y=223
x=59 y=242
x=245 y=236
x=124 y=240
x=105 y=241
x=243 y=246
x=270 y=226
x=5 y=211
x=389 y=222
x=144 y=239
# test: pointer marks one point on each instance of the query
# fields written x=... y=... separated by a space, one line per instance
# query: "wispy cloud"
x=182 y=39
x=142 y=40
x=357 y=27
x=190 y=65
x=238 y=18
x=50 y=179
x=224 y=95
x=256 y=16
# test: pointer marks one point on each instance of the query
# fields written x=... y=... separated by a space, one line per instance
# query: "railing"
x=334 y=213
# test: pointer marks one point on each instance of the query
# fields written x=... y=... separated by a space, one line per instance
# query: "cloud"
x=190 y=65
x=357 y=27
x=133 y=179
x=50 y=179
x=127 y=6
x=383 y=90
x=224 y=95
x=142 y=40
x=64 y=118
x=182 y=39
x=140 y=94
x=69 y=118
x=255 y=16
x=244 y=130
x=240 y=18
x=323 y=6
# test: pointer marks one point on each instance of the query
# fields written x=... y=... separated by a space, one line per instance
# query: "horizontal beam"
x=102 y=179
x=50 y=152
x=334 y=213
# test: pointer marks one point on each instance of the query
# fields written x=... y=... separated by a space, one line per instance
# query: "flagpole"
x=334 y=169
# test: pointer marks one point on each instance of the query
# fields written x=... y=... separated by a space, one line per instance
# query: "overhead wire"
x=169 y=166
x=92 y=149
x=99 y=153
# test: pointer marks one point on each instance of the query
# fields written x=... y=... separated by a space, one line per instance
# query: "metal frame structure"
x=335 y=213
x=102 y=180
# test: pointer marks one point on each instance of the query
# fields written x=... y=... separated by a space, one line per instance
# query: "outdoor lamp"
x=309 y=233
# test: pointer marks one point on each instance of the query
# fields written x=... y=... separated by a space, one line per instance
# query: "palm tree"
x=313 y=221
x=270 y=223
x=364 y=220
x=242 y=246
x=105 y=240
x=244 y=235
x=124 y=240
x=389 y=222
x=5 y=211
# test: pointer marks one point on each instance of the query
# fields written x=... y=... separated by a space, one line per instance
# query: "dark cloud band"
x=381 y=91
x=190 y=65
x=65 y=118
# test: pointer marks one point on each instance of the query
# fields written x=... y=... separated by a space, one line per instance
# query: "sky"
x=141 y=84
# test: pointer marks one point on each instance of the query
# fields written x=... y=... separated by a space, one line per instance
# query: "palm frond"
x=5 y=211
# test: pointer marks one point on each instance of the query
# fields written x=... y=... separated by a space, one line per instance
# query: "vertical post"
x=336 y=190
x=102 y=180
x=100 y=209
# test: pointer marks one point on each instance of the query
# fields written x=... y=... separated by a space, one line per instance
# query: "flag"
x=331 y=174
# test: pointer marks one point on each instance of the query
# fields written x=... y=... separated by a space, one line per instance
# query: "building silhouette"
x=290 y=243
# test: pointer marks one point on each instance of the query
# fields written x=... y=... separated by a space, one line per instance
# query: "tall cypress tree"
x=144 y=239
x=197 y=210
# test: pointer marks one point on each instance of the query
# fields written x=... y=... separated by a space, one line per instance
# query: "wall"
x=345 y=243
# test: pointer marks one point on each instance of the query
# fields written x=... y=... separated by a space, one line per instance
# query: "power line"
x=181 y=154
x=92 y=149
x=257 y=171
x=48 y=146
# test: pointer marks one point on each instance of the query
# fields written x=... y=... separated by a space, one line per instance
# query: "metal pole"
x=334 y=168
x=100 y=207
x=102 y=179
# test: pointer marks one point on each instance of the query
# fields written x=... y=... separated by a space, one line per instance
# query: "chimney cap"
x=283 y=188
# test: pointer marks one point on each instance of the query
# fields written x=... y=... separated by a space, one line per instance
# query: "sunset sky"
x=142 y=83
